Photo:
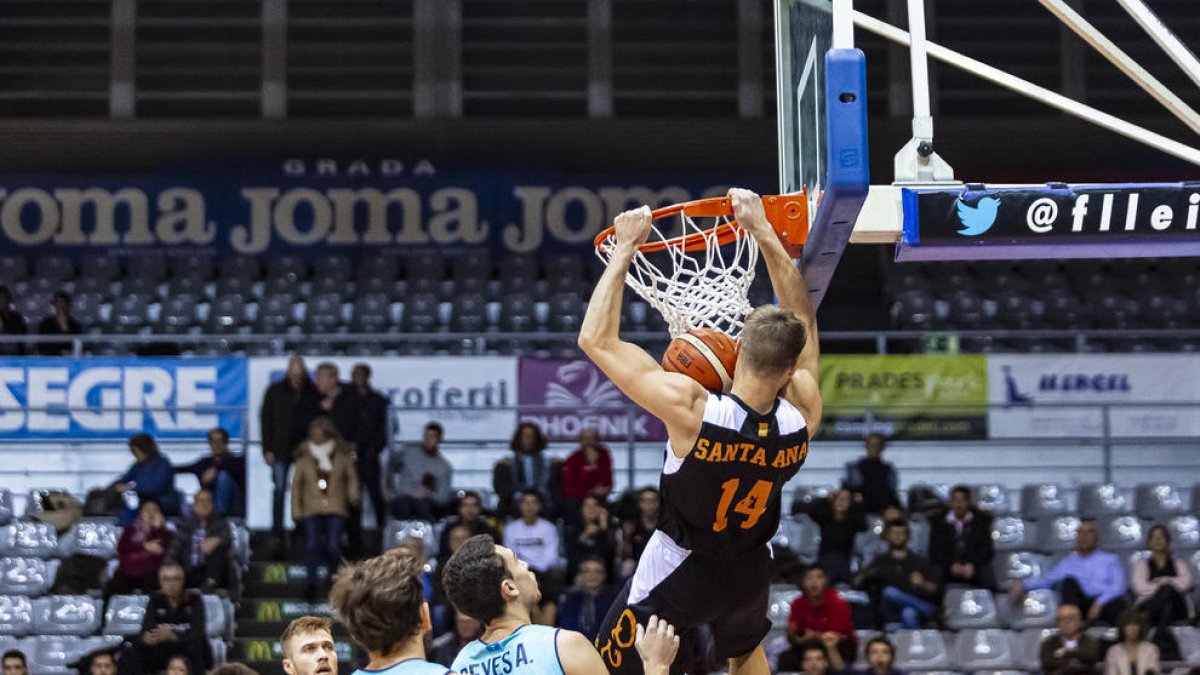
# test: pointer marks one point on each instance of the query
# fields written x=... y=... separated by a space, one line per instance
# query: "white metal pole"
x=919 y=65
x=1031 y=90
x=1166 y=39
x=843 y=24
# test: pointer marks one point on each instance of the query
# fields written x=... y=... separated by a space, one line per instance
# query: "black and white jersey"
x=723 y=499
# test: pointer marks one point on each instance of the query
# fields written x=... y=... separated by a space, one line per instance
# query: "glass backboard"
x=803 y=33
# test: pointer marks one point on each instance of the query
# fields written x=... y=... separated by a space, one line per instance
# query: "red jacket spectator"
x=588 y=470
x=831 y=615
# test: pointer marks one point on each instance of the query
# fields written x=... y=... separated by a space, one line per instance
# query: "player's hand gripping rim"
x=632 y=228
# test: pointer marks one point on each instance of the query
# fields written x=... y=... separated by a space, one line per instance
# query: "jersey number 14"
x=753 y=505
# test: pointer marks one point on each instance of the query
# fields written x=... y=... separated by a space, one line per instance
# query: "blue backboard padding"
x=849 y=169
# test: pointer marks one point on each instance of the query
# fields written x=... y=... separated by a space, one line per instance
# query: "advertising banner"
x=913 y=397
x=564 y=396
x=1065 y=395
x=115 y=398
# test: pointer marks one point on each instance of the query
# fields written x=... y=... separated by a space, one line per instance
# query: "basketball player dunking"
x=727 y=461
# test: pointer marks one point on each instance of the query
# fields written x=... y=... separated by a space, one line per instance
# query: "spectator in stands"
x=103 y=663
x=308 y=647
x=881 y=658
x=174 y=625
x=840 y=520
x=289 y=406
x=324 y=486
x=222 y=473
x=140 y=552
x=528 y=469
x=960 y=541
x=422 y=478
x=454 y=537
x=584 y=605
x=1132 y=654
x=820 y=614
x=11 y=323
x=14 y=659
x=904 y=587
x=817 y=659
x=1161 y=584
x=447 y=647
x=1071 y=651
x=60 y=322
x=370 y=439
x=470 y=514
x=593 y=536
x=534 y=540
x=177 y=666
x=636 y=531
x=151 y=478
x=202 y=546
x=338 y=401
x=1090 y=579
x=587 y=471
x=872 y=480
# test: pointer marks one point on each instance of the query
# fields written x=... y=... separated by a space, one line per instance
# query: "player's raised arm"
x=804 y=392
x=675 y=399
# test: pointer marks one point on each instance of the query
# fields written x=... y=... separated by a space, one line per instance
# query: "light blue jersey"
x=530 y=650
x=408 y=667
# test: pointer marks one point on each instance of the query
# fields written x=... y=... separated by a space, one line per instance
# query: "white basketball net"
x=706 y=288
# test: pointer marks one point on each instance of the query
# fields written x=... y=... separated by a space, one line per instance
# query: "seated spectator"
x=960 y=541
x=528 y=469
x=872 y=480
x=202 y=546
x=421 y=479
x=820 y=614
x=904 y=587
x=324 y=486
x=177 y=666
x=840 y=521
x=881 y=658
x=816 y=659
x=222 y=473
x=470 y=514
x=1071 y=651
x=586 y=471
x=1161 y=584
x=583 y=606
x=151 y=478
x=636 y=530
x=103 y=663
x=59 y=323
x=174 y=625
x=1090 y=579
x=595 y=537
x=1131 y=655
x=11 y=323
x=449 y=644
x=14 y=659
x=140 y=553
x=440 y=606
x=534 y=540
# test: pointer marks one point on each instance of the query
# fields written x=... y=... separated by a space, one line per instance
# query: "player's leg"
x=754 y=663
x=616 y=637
x=739 y=631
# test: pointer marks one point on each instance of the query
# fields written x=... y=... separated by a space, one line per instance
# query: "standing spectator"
x=636 y=531
x=904 y=587
x=140 y=552
x=470 y=514
x=872 y=480
x=59 y=323
x=151 y=477
x=881 y=658
x=202 y=546
x=370 y=439
x=528 y=469
x=11 y=324
x=1132 y=655
x=324 y=486
x=288 y=407
x=584 y=605
x=960 y=541
x=446 y=647
x=174 y=625
x=1071 y=651
x=534 y=540
x=338 y=402
x=594 y=536
x=1161 y=584
x=1089 y=579
x=587 y=471
x=222 y=473
x=14 y=659
x=819 y=613
x=423 y=478
x=103 y=663
x=840 y=521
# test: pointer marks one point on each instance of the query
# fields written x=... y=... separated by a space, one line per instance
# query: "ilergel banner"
x=564 y=396
x=1064 y=395
x=115 y=398
x=1051 y=221
x=913 y=397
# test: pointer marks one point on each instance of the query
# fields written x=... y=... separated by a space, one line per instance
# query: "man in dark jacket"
x=59 y=323
x=1071 y=651
x=288 y=407
x=338 y=401
x=370 y=437
x=202 y=546
x=222 y=473
x=960 y=541
x=904 y=587
x=872 y=480
x=174 y=625
x=11 y=323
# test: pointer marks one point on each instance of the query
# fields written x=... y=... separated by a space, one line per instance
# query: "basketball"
x=705 y=355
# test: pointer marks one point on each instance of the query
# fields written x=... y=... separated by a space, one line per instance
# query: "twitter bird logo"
x=979 y=218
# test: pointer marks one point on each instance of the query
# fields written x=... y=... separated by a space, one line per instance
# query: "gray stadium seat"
x=178 y=314
x=293 y=268
x=1043 y=500
x=35 y=540
x=130 y=312
x=25 y=576
x=420 y=313
x=800 y=535
x=16 y=615
x=54 y=654
x=468 y=313
x=276 y=313
x=1010 y=533
x=1027 y=647
x=324 y=314
x=1036 y=610
x=13 y=268
x=6 y=506
x=920 y=650
x=1018 y=565
x=1057 y=534
x=33 y=307
x=100 y=268
x=240 y=536
x=149 y=266
x=397 y=531
x=198 y=267
x=66 y=615
x=335 y=267
x=124 y=614
x=1103 y=499
x=216 y=623
x=86 y=307
x=1185 y=531
x=992 y=497
x=1158 y=500
x=566 y=312
x=54 y=267
x=805 y=495
x=781 y=598
x=1121 y=533
x=919 y=535
x=372 y=313
x=383 y=267
x=91 y=537
x=1189 y=642
x=517 y=313
x=984 y=649
x=970 y=608
x=227 y=315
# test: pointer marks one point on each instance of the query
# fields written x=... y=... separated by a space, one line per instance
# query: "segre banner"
x=913 y=397
x=114 y=398
x=1065 y=395
x=564 y=396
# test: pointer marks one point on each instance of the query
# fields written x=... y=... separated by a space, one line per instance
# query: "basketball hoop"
x=701 y=277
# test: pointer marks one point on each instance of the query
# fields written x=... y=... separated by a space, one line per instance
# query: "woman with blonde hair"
x=324 y=488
